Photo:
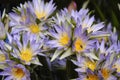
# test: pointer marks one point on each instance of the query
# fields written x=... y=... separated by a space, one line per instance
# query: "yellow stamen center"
x=64 y=39
x=79 y=45
x=105 y=73
x=40 y=14
x=26 y=55
x=92 y=77
x=18 y=73
x=2 y=58
x=91 y=65
x=34 y=28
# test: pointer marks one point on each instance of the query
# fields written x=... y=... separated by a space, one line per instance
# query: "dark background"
x=105 y=10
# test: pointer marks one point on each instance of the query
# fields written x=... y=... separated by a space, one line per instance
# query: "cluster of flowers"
x=31 y=31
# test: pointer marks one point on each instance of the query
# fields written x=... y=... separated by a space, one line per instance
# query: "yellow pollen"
x=64 y=39
x=92 y=77
x=26 y=55
x=79 y=45
x=40 y=14
x=34 y=28
x=91 y=65
x=105 y=73
x=2 y=58
x=18 y=73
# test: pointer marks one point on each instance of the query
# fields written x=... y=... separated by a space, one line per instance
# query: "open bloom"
x=61 y=37
x=34 y=29
x=24 y=21
x=106 y=70
x=90 y=75
x=20 y=16
x=81 y=41
x=26 y=48
x=84 y=64
x=40 y=9
x=83 y=19
x=16 y=72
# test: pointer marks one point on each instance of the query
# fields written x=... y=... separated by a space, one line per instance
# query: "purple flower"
x=16 y=72
x=26 y=48
x=90 y=75
x=61 y=37
x=81 y=40
x=84 y=63
x=40 y=9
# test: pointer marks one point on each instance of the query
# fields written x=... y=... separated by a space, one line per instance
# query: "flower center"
x=18 y=73
x=92 y=77
x=40 y=14
x=64 y=39
x=91 y=65
x=2 y=58
x=26 y=55
x=79 y=45
x=105 y=73
x=34 y=28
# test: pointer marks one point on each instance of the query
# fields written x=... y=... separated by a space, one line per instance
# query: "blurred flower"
x=20 y=19
x=40 y=9
x=72 y=6
x=16 y=72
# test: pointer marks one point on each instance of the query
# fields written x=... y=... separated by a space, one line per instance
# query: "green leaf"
x=56 y=54
x=66 y=54
x=36 y=61
x=92 y=55
x=100 y=36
